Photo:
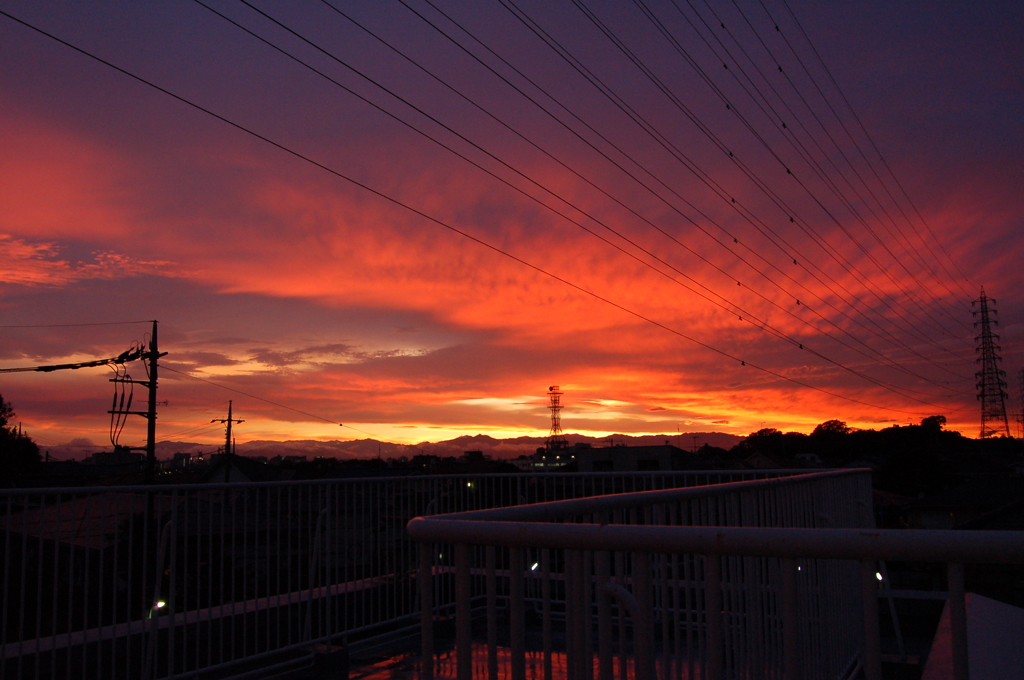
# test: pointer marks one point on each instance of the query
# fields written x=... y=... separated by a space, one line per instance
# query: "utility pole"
x=227 y=433
x=991 y=383
x=151 y=357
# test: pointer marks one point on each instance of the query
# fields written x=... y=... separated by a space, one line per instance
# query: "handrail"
x=989 y=547
x=167 y=488
x=541 y=512
x=659 y=546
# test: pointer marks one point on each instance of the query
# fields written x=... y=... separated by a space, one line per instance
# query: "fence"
x=760 y=579
x=187 y=581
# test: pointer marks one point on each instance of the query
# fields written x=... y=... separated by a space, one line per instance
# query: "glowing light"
x=878 y=576
x=534 y=567
x=160 y=605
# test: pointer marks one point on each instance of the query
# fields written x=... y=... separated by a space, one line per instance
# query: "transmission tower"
x=555 y=438
x=991 y=381
x=1020 y=413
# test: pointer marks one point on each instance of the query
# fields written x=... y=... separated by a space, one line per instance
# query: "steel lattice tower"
x=555 y=438
x=1020 y=413
x=991 y=381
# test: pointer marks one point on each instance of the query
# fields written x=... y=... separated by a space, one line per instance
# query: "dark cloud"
x=202 y=359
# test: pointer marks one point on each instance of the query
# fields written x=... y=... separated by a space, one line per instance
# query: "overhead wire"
x=666 y=144
x=253 y=396
x=247 y=394
x=761 y=100
x=119 y=412
x=886 y=360
x=438 y=222
x=793 y=214
x=884 y=162
x=740 y=312
x=911 y=251
x=661 y=139
x=73 y=325
x=193 y=430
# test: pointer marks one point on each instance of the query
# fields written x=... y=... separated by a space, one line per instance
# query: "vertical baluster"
x=790 y=621
x=713 y=604
x=517 y=613
x=602 y=562
x=463 y=614
x=492 y=614
x=424 y=580
x=586 y=601
x=545 y=589
x=643 y=624
x=869 y=601
x=620 y=577
x=958 y=620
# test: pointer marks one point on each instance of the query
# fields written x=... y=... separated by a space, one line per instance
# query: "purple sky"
x=275 y=277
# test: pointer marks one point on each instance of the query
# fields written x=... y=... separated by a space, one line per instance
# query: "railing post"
x=586 y=604
x=790 y=620
x=643 y=624
x=606 y=669
x=872 y=643
x=545 y=589
x=713 y=605
x=571 y=624
x=517 y=613
x=620 y=576
x=463 y=615
x=492 y=614
x=958 y=621
x=580 y=619
x=424 y=579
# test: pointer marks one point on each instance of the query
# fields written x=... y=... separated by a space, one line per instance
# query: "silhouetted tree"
x=933 y=424
x=780 y=446
x=830 y=428
x=18 y=453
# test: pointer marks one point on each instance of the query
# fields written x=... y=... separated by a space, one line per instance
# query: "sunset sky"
x=438 y=209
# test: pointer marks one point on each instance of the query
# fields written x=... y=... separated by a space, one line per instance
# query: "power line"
x=745 y=314
x=192 y=430
x=787 y=132
x=440 y=223
x=885 y=163
x=728 y=306
x=832 y=252
x=789 y=80
x=660 y=138
x=252 y=396
x=274 y=403
x=75 y=325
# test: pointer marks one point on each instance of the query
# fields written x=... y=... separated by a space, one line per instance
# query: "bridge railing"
x=190 y=580
x=775 y=578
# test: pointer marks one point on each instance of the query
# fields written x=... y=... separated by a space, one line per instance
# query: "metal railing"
x=187 y=581
x=759 y=579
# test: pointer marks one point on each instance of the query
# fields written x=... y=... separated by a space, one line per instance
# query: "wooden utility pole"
x=151 y=356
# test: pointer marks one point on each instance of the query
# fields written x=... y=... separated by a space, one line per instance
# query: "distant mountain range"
x=371 y=448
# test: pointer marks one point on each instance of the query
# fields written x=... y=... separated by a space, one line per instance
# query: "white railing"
x=750 y=579
x=185 y=581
